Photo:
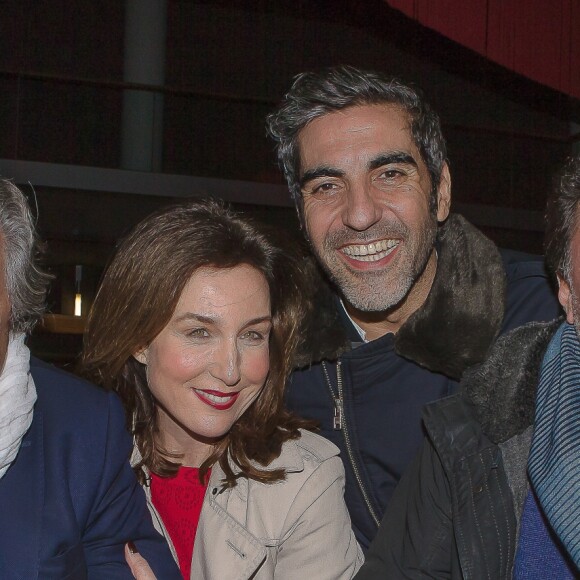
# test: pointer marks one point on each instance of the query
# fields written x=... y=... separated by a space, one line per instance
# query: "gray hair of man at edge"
x=315 y=94
x=562 y=217
x=26 y=283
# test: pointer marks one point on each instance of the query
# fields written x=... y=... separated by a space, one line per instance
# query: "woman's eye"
x=253 y=335
x=198 y=333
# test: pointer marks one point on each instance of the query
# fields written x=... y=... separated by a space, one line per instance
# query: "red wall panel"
x=539 y=39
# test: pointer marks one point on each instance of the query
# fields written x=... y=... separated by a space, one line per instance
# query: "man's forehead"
x=372 y=130
x=387 y=113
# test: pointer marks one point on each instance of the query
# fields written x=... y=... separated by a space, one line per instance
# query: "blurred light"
x=78 y=305
x=78 y=298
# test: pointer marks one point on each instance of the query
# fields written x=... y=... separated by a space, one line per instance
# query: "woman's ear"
x=141 y=355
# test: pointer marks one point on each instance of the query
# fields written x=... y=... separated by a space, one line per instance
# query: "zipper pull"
x=337 y=421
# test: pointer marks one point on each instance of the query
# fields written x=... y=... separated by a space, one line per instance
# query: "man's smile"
x=371 y=252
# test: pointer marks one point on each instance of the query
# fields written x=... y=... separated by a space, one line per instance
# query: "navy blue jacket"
x=477 y=294
x=70 y=501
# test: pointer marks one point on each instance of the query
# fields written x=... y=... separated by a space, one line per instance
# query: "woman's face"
x=208 y=365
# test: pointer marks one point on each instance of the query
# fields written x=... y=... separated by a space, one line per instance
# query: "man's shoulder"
x=521 y=264
x=71 y=398
x=496 y=398
x=502 y=389
x=47 y=377
x=530 y=294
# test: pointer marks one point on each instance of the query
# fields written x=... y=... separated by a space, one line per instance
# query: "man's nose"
x=361 y=209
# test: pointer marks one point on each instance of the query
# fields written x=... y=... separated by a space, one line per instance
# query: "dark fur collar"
x=503 y=388
x=452 y=330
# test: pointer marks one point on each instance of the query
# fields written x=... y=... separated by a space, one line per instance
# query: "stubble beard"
x=381 y=290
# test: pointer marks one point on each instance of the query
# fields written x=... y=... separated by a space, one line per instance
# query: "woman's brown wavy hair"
x=137 y=297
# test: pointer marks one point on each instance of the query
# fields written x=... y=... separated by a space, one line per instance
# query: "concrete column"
x=144 y=63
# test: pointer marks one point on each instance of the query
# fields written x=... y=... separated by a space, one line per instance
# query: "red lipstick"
x=228 y=399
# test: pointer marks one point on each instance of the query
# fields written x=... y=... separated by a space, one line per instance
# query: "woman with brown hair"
x=194 y=326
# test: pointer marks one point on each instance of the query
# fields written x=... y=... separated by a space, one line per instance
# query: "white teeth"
x=371 y=252
x=215 y=398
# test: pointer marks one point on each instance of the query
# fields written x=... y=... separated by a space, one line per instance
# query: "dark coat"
x=70 y=501
x=477 y=294
x=456 y=511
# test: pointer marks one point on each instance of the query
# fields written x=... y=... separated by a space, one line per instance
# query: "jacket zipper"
x=340 y=424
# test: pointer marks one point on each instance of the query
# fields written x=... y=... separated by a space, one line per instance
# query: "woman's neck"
x=173 y=438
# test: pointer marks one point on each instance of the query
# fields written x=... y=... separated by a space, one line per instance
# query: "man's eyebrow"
x=317 y=172
x=394 y=157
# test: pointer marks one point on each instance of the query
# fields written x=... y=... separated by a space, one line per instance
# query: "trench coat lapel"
x=21 y=507
x=224 y=549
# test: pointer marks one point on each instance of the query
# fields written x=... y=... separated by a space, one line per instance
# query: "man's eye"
x=392 y=173
x=325 y=188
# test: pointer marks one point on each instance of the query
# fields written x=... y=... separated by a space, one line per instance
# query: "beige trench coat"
x=298 y=528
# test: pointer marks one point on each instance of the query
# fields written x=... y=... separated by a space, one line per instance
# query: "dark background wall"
x=227 y=64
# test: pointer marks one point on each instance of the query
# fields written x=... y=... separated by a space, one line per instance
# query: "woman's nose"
x=226 y=364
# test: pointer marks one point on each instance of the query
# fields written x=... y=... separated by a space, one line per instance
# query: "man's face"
x=569 y=290
x=366 y=197
x=4 y=309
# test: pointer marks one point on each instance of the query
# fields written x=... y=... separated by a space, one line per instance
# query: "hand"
x=138 y=564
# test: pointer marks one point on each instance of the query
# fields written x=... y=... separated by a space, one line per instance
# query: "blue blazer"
x=70 y=501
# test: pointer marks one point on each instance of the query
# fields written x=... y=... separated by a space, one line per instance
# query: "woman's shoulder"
x=311 y=464
x=307 y=454
x=300 y=459
x=315 y=446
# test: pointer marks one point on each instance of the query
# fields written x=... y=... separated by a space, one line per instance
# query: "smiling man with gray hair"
x=411 y=295
x=68 y=497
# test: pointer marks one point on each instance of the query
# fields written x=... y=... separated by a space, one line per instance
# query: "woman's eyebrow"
x=259 y=320
x=212 y=320
x=196 y=317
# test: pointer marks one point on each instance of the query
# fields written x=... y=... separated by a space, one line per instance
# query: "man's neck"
x=377 y=324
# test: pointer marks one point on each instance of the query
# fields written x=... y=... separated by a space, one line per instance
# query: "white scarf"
x=17 y=398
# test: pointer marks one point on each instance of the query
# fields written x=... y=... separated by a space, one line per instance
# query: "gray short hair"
x=315 y=94
x=562 y=217
x=26 y=282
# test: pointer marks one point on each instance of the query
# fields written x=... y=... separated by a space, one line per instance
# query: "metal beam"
x=40 y=174
x=244 y=192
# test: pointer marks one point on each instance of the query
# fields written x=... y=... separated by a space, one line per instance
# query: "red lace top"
x=178 y=500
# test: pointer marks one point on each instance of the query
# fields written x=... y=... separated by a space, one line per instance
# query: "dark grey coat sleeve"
x=415 y=539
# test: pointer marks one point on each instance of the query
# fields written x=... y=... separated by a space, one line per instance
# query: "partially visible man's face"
x=366 y=194
x=4 y=308
x=569 y=290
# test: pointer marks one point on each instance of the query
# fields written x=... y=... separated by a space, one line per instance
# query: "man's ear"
x=444 y=194
x=141 y=355
x=565 y=298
